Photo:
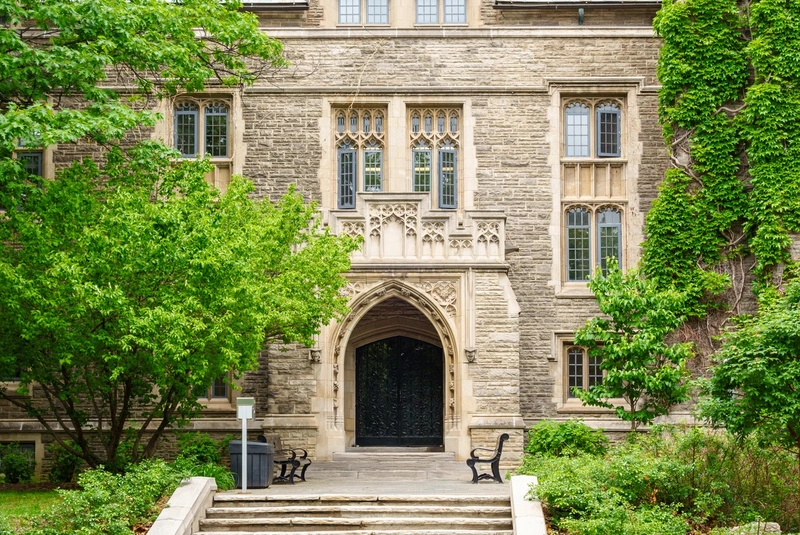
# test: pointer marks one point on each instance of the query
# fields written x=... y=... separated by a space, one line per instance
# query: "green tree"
x=640 y=366
x=124 y=289
x=754 y=384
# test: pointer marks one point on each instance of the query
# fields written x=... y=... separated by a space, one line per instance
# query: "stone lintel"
x=496 y=421
x=290 y=421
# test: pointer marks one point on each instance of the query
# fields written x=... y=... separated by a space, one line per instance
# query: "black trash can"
x=259 y=464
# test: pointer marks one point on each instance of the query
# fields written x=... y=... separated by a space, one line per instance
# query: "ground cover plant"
x=670 y=481
x=18 y=505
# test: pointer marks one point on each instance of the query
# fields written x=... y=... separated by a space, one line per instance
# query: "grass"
x=17 y=505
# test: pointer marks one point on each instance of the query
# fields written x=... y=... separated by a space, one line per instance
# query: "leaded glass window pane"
x=373 y=170
x=447 y=179
x=367 y=123
x=574 y=369
x=427 y=11
x=453 y=122
x=428 y=123
x=340 y=123
x=379 y=123
x=609 y=237
x=349 y=11
x=186 y=130
x=216 y=117
x=455 y=11
x=353 y=123
x=377 y=11
x=219 y=388
x=595 y=375
x=31 y=161
x=415 y=123
x=347 y=178
x=608 y=131
x=440 y=123
x=422 y=170
x=578 y=245
x=577 y=130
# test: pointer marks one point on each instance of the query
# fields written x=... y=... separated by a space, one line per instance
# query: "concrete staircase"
x=236 y=514
x=380 y=493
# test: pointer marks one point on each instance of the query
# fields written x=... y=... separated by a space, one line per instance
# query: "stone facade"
x=485 y=281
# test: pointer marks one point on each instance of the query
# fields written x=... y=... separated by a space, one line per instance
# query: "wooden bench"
x=288 y=459
x=494 y=461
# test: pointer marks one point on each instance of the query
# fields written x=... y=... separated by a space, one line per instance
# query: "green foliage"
x=640 y=366
x=201 y=447
x=136 y=283
x=18 y=466
x=65 y=465
x=569 y=438
x=754 y=384
x=671 y=480
x=149 y=46
x=110 y=503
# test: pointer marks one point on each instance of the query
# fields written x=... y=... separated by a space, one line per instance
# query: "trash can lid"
x=235 y=446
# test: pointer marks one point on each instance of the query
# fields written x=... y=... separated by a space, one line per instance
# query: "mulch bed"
x=42 y=486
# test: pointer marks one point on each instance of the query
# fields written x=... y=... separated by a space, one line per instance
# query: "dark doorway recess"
x=399 y=393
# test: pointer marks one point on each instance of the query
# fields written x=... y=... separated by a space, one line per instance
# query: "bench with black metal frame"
x=493 y=461
x=288 y=459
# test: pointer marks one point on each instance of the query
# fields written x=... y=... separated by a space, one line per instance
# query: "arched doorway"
x=399 y=393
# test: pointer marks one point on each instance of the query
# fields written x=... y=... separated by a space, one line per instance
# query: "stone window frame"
x=440 y=12
x=440 y=141
x=598 y=109
x=38 y=447
x=566 y=403
x=360 y=143
x=220 y=176
x=595 y=237
x=363 y=12
x=211 y=401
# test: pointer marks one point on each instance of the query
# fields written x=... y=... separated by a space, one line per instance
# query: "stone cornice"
x=506 y=32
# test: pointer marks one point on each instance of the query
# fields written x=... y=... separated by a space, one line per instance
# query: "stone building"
x=492 y=153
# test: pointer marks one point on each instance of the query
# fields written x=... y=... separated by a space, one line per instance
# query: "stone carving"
x=471 y=354
x=380 y=214
x=489 y=232
x=352 y=289
x=354 y=229
x=336 y=369
x=458 y=245
x=315 y=355
x=433 y=232
x=443 y=292
x=336 y=386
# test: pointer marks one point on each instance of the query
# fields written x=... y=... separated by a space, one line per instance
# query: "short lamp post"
x=244 y=411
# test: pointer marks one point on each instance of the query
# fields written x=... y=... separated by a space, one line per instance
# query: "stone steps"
x=393 y=466
x=234 y=514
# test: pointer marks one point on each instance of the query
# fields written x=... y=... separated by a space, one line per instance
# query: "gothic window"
x=582 y=370
x=202 y=128
x=441 y=11
x=360 y=140
x=212 y=122
x=593 y=236
x=376 y=11
x=581 y=140
x=219 y=390
x=435 y=139
x=593 y=190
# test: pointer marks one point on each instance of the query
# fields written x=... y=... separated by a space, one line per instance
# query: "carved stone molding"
x=471 y=354
x=352 y=289
x=354 y=229
x=444 y=293
x=380 y=214
x=315 y=355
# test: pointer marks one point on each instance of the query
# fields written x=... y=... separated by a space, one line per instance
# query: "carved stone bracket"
x=315 y=355
x=471 y=354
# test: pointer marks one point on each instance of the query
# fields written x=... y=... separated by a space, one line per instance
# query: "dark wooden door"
x=399 y=393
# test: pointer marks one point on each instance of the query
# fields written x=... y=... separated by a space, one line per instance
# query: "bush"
x=18 y=466
x=201 y=447
x=670 y=480
x=565 y=439
x=65 y=465
x=110 y=503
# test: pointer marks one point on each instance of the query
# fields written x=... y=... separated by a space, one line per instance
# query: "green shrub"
x=201 y=447
x=565 y=439
x=65 y=465
x=18 y=466
x=110 y=503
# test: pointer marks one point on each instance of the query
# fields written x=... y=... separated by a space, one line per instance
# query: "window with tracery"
x=435 y=138
x=201 y=128
x=593 y=185
x=360 y=137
